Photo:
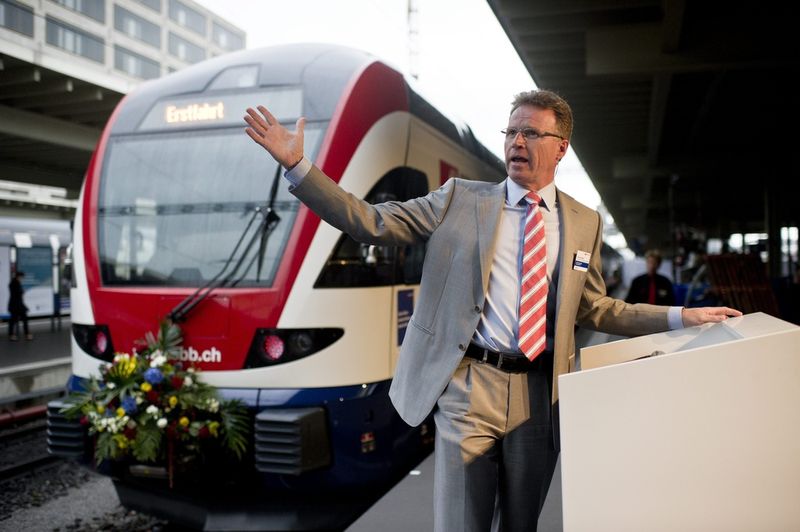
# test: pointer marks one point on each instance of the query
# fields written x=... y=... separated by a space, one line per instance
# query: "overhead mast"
x=413 y=39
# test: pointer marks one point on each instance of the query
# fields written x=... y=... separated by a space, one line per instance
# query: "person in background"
x=17 y=308
x=651 y=287
x=510 y=268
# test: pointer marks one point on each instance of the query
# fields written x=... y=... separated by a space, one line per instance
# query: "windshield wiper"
x=268 y=223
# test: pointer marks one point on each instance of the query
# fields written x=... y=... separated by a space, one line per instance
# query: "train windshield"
x=173 y=206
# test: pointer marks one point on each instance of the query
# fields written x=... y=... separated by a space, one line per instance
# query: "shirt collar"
x=515 y=193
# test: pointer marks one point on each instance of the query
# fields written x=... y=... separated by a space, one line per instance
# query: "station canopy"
x=685 y=111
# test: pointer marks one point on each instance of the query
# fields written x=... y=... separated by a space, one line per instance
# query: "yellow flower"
x=173 y=401
x=120 y=412
x=122 y=441
x=146 y=387
x=124 y=366
x=184 y=421
x=213 y=427
x=100 y=408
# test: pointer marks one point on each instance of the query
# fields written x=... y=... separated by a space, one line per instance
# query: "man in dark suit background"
x=495 y=406
x=651 y=287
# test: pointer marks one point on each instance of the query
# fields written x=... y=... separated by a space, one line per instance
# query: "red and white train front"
x=305 y=331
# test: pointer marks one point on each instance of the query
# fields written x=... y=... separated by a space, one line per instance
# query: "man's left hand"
x=699 y=316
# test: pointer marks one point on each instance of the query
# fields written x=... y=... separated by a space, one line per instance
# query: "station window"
x=135 y=64
x=187 y=17
x=95 y=9
x=136 y=27
x=74 y=40
x=184 y=50
x=16 y=17
x=155 y=5
x=225 y=38
x=353 y=264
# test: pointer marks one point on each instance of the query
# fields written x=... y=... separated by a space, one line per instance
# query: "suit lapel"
x=569 y=226
x=490 y=205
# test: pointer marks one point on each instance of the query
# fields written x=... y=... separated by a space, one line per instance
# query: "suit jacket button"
x=462 y=347
x=477 y=308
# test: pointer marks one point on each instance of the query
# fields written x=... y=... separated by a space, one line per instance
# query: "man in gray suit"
x=495 y=409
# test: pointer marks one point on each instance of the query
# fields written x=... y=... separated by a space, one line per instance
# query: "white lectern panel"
x=704 y=439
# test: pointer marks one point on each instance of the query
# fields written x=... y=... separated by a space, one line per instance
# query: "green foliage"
x=147 y=444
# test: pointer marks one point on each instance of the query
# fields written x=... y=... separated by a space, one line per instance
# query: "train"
x=300 y=323
x=40 y=248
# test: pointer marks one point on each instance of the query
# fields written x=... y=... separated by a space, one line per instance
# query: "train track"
x=23 y=449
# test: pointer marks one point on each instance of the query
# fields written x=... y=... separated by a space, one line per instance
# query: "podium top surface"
x=757 y=324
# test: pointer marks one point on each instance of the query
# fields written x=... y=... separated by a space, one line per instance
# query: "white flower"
x=213 y=405
x=190 y=370
x=111 y=385
x=139 y=399
x=152 y=410
x=157 y=359
x=188 y=381
x=132 y=424
x=162 y=422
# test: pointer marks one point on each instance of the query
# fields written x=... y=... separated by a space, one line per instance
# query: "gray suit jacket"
x=459 y=222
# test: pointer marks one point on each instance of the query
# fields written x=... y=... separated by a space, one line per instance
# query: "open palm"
x=285 y=146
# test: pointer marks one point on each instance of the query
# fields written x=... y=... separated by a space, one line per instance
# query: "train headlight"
x=277 y=346
x=301 y=342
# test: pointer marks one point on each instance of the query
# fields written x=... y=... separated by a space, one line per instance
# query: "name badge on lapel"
x=581 y=262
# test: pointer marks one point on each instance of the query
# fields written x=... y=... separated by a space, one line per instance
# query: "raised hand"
x=699 y=316
x=284 y=146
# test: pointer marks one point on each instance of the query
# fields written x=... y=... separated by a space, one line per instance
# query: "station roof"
x=49 y=124
x=684 y=110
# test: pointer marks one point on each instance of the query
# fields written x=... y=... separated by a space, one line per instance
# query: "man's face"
x=532 y=163
x=652 y=265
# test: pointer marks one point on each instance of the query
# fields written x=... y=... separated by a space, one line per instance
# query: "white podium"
x=704 y=437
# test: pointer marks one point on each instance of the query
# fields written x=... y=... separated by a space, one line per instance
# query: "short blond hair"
x=547 y=100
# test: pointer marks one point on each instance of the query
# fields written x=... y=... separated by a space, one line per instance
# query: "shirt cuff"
x=674 y=318
x=298 y=173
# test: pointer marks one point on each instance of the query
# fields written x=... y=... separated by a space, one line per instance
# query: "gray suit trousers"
x=494 y=450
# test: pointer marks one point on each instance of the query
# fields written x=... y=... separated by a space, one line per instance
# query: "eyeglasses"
x=529 y=133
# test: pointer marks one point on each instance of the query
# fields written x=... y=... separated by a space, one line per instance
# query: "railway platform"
x=34 y=367
x=409 y=504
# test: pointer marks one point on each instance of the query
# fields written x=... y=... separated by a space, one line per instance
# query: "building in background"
x=65 y=64
x=125 y=40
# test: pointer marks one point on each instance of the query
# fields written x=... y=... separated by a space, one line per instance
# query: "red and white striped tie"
x=533 y=286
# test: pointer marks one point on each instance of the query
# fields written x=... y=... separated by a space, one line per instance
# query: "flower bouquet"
x=152 y=407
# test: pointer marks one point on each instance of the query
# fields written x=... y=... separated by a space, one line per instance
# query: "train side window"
x=353 y=264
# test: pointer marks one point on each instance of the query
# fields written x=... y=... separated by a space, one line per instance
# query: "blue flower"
x=153 y=376
x=129 y=405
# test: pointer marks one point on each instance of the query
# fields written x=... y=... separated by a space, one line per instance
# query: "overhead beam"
x=672 y=27
x=629 y=166
x=46 y=129
x=49 y=87
x=67 y=178
x=526 y=8
x=85 y=95
x=638 y=49
x=21 y=75
x=659 y=97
